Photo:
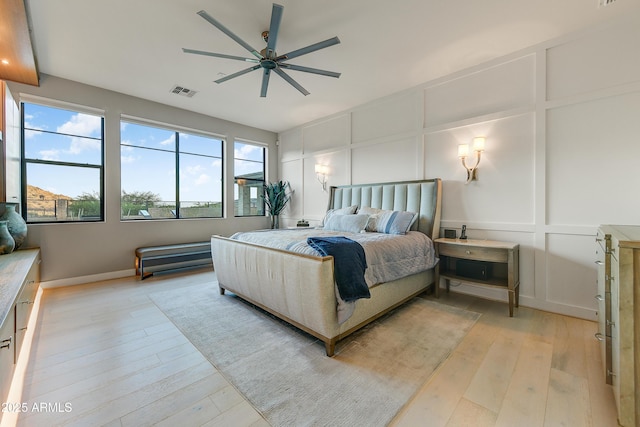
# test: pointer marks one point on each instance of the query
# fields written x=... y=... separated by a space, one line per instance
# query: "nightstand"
x=487 y=263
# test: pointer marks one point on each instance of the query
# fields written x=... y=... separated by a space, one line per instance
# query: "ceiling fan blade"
x=265 y=82
x=291 y=81
x=228 y=32
x=239 y=73
x=219 y=55
x=308 y=49
x=274 y=27
x=310 y=70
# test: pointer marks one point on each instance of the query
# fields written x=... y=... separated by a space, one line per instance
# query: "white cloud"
x=82 y=124
x=193 y=170
x=167 y=141
x=203 y=179
x=30 y=133
x=128 y=159
x=50 y=154
x=78 y=145
x=245 y=150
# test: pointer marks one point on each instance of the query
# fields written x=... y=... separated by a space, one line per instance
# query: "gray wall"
x=562 y=129
x=77 y=253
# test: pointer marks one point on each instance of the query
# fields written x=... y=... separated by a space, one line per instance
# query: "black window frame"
x=24 y=161
x=177 y=130
x=262 y=182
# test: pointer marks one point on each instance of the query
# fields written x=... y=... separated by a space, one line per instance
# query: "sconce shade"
x=478 y=143
x=322 y=169
x=463 y=150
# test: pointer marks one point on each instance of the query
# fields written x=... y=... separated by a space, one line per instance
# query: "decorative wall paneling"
x=599 y=142
x=562 y=132
x=390 y=116
x=373 y=163
x=502 y=87
x=326 y=135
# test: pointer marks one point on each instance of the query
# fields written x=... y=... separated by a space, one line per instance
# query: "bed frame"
x=300 y=288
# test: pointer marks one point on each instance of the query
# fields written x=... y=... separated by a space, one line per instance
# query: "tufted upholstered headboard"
x=424 y=197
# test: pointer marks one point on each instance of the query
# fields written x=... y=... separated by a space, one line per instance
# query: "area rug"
x=285 y=373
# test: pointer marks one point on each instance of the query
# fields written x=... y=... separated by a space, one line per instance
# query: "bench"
x=153 y=259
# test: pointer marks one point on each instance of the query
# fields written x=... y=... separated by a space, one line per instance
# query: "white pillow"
x=349 y=210
x=347 y=223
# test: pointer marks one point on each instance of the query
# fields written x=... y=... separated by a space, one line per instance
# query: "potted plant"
x=276 y=195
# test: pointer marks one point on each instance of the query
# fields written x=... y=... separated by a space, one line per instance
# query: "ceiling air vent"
x=179 y=90
x=603 y=3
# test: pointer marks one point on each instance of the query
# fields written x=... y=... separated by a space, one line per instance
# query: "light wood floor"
x=104 y=354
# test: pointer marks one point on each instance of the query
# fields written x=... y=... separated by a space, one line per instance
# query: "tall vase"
x=15 y=223
x=275 y=221
x=7 y=244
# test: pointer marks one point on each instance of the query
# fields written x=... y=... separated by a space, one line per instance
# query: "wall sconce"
x=463 y=153
x=321 y=173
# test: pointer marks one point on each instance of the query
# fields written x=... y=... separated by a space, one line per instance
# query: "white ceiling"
x=135 y=47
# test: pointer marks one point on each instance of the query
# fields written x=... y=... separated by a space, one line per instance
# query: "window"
x=63 y=174
x=248 y=166
x=168 y=174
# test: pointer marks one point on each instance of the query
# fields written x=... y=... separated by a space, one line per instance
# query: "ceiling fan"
x=267 y=59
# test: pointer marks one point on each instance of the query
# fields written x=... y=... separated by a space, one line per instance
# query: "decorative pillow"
x=347 y=223
x=366 y=210
x=391 y=222
x=349 y=210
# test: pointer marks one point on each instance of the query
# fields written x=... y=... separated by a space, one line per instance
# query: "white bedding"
x=389 y=256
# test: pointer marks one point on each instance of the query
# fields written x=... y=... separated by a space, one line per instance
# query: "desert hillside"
x=42 y=199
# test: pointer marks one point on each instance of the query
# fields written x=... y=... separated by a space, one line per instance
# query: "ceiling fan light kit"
x=267 y=59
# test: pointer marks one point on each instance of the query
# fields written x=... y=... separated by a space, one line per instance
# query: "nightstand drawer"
x=474 y=252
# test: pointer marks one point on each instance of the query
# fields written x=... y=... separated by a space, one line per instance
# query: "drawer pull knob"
x=599 y=298
x=468 y=252
x=6 y=343
x=599 y=336
x=599 y=263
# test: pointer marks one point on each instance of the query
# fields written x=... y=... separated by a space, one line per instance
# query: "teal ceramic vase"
x=7 y=244
x=15 y=223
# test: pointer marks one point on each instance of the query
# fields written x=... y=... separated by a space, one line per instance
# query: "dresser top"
x=627 y=235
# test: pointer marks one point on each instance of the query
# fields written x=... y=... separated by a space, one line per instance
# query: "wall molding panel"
x=562 y=133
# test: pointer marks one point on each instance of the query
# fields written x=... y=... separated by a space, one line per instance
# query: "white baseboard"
x=81 y=280
x=525 y=301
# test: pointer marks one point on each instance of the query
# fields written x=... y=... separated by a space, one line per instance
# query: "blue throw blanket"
x=349 y=263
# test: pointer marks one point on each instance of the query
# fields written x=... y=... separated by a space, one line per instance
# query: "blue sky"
x=147 y=163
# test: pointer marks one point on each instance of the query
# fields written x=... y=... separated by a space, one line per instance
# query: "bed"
x=300 y=289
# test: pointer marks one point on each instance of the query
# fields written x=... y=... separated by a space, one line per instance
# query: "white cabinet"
x=19 y=282
x=7 y=346
x=620 y=273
